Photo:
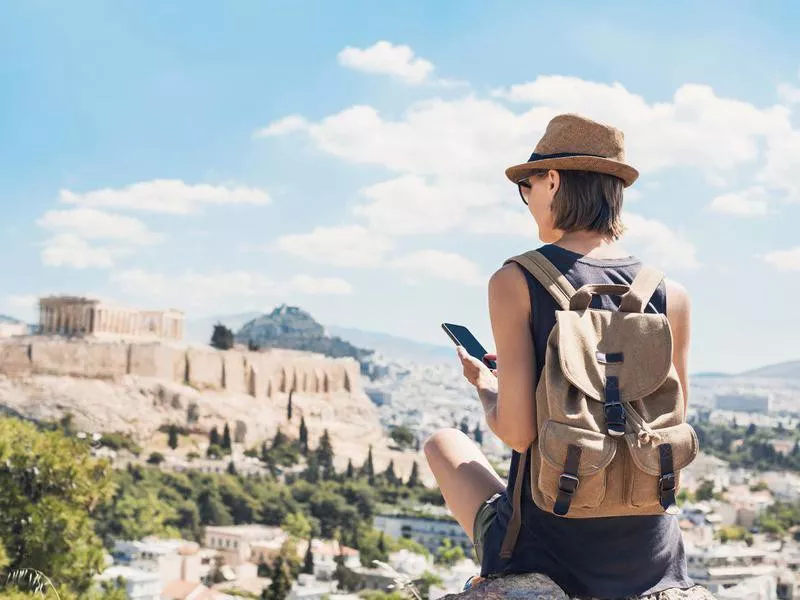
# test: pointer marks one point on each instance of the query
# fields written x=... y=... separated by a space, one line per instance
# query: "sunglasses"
x=523 y=183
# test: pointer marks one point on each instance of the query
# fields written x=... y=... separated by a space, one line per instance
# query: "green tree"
x=303 y=436
x=289 y=406
x=172 y=437
x=477 y=435
x=311 y=473
x=155 y=458
x=308 y=561
x=226 y=438
x=50 y=483
x=281 y=583
x=448 y=554
x=214 y=451
x=389 y=474
x=213 y=510
x=325 y=450
x=368 y=470
x=426 y=580
x=298 y=525
x=382 y=544
x=231 y=470
x=222 y=337
x=349 y=473
x=464 y=426
x=704 y=491
x=213 y=437
x=402 y=436
x=413 y=479
x=751 y=430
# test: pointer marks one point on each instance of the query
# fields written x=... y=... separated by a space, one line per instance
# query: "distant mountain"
x=785 y=370
x=9 y=320
x=293 y=328
x=395 y=346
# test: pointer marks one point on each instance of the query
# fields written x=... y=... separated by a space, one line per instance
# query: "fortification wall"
x=260 y=374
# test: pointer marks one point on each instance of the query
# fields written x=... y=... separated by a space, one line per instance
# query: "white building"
x=11 y=327
x=726 y=565
x=170 y=559
x=740 y=402
x=757 y=588
x=429 y=531
x=410 y=563
x=706 y=468
x=139 y=584
x=235 y=542
x=783 y=485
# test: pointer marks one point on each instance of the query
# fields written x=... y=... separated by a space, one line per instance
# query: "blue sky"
x=348 y=157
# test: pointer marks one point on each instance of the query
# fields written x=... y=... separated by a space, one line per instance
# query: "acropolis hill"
x=121 y=370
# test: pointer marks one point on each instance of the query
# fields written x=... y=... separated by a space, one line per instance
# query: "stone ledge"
x=534 y=586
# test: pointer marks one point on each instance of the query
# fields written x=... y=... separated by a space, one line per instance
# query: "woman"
x=572 y=185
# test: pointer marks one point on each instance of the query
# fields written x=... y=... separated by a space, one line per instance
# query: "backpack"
x=611 y=426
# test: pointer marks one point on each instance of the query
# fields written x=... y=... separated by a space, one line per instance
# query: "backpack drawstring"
x=644 y=433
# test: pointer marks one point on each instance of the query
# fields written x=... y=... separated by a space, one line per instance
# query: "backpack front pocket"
x=586 y=487
x=648 y=477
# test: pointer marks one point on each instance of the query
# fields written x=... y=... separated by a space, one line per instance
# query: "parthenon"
x=79 y=316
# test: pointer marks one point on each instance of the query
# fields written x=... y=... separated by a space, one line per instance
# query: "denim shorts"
x=483 y=520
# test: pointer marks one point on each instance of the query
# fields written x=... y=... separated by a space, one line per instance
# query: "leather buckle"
x=666 y=483
x=567 y=483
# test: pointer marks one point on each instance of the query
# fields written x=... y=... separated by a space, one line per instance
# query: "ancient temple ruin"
x=79 y=316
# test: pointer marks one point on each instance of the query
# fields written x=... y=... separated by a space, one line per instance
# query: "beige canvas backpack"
x=610 y=414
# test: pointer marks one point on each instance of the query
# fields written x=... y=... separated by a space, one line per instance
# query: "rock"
x=531 y=586
x=534 y=586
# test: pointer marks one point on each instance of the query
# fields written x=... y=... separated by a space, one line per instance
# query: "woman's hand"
x=476 y=372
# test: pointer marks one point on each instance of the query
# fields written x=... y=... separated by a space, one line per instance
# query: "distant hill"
x=785 y=370
x=395 y=346
x=9 y=320
x=198 y=331
x=293 y=328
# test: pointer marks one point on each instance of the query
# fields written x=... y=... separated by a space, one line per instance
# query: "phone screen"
x=462 y=336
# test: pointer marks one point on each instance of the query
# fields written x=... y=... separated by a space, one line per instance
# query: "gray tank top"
x=610 y=557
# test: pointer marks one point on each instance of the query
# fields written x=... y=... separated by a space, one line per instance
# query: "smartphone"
x=462 y=336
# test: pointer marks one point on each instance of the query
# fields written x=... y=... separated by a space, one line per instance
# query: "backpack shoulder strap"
x=642 y=289
x=548 y=275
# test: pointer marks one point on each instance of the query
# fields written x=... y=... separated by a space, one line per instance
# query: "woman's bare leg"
x=465 y=477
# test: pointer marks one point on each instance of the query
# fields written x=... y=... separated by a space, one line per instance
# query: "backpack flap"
x=658 y=461
x=573 y=467
x=634 y=348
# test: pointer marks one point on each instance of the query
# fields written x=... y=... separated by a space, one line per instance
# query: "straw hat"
x=575 y=143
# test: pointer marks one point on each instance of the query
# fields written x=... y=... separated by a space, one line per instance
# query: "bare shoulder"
x=678 y=301
x=508 y=285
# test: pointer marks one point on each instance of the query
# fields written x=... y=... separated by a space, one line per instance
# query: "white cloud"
x=348 y=246
x=387 y=59
x=220 y=291
x=283 y=126
x=788 y=94
x=92 y=224
x=657 y=244
x=751 y=202
x=70 y=250
x=784 y=260
x=76 y=229
x=171 y=196
x=435 y=264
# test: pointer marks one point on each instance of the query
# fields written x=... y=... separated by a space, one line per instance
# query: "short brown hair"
x=588 y=201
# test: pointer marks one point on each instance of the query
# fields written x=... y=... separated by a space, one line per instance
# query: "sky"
x=348 y=157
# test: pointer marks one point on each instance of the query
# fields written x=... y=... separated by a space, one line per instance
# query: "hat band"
x=536 y=157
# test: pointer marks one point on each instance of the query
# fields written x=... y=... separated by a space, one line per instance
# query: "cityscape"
x=232 y=232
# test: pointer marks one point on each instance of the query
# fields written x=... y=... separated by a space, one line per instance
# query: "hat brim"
x=595 y=164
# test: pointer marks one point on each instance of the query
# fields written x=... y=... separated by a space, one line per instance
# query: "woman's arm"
x=514 y=415
x=679 y=312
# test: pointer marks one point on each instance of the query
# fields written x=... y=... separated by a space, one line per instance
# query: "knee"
x=439 y=439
